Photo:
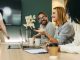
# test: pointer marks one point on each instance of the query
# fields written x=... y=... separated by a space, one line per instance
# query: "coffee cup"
x=53 y=49
x=31 y=42
x=37 y=42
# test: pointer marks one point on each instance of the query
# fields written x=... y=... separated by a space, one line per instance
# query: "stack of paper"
x=37 y=51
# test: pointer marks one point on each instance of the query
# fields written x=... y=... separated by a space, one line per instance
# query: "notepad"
x=37 y=51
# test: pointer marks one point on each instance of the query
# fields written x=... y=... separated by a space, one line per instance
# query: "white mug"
x=31 y=42
x=37 y=42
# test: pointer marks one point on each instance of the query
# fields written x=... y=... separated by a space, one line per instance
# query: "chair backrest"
x=77 y=33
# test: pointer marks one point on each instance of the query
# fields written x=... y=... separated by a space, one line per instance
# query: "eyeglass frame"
x=41 y=18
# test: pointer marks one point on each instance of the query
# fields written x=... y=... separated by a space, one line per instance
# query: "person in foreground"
x=3 y=31
x=45 y=25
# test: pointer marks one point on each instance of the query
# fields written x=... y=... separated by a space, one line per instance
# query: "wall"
x=34 y=6
x=11 y=11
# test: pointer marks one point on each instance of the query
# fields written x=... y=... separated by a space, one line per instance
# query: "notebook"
x=36 y=51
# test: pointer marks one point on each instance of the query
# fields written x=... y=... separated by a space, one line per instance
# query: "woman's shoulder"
x=68 y=24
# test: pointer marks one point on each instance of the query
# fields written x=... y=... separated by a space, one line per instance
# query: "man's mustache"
x=44 y=20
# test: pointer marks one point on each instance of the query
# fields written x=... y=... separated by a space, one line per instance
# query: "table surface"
x=20 y=54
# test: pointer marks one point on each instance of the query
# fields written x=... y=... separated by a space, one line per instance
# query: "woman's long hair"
x=61 y=14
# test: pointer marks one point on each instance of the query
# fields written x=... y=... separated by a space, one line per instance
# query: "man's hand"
x=0 y=28
x=33 y=37
x=8 y=37
x=41 y=31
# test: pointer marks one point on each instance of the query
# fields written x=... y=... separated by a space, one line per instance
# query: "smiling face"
x=54 y=15
x=42 y=19
x=59 y=15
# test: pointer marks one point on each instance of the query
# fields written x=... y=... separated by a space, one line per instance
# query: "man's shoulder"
x=50 y=24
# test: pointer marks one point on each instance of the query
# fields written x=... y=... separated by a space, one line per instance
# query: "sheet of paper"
x=36 y=51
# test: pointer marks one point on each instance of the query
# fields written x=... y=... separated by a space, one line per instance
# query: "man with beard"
x=45 y=25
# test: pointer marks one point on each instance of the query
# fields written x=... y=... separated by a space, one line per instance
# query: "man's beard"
x=44 y=22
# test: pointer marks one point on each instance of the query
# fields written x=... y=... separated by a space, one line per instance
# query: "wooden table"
x=19 y=54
